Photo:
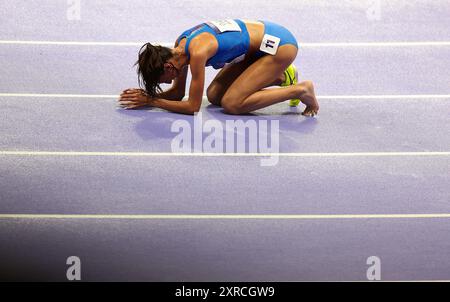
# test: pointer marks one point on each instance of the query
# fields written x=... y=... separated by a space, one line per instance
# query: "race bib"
x=270 y=44
x=224 y=26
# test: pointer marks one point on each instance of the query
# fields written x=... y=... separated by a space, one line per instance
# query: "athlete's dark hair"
x=150 y=67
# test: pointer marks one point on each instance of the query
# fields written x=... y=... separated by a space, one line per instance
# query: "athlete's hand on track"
x=134 y=98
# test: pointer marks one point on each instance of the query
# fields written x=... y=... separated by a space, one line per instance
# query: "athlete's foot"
x=310 y=111
x=308 y=97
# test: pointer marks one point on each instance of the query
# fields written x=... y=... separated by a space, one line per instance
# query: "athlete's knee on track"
x=214 y=95
x=231 y=106
x=232 y=109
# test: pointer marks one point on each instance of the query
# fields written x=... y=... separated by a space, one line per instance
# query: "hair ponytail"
x=150 y=67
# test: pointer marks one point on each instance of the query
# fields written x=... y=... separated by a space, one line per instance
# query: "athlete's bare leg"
x=247 y=92
x=227 y=76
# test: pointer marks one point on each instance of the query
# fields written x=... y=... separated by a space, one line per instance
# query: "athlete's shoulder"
x=203 y=44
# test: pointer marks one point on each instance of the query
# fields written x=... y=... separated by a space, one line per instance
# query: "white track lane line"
x=56 y=95
x=322 y=97
x=384 y=96
x=223 y=217
x=203 y=154
x=302 y=45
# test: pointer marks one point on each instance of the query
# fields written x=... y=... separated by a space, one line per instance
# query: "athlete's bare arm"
x=133 y=98
x=201 y=49
x=178 y=90
x=192 y=105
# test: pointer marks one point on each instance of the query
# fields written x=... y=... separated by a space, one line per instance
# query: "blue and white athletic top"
x=231 y=35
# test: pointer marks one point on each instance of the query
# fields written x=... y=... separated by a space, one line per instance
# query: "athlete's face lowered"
x=170 y=73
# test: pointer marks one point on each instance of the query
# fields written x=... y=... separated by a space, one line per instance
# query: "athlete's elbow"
x=179 y=96
x=192 y=108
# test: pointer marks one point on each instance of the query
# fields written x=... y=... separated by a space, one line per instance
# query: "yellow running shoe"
x=291 y=78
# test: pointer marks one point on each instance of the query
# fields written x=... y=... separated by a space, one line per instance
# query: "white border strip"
x=222 y=217
x=384 y=96
x=78 y=43
x=201 y=154
x=60 y=95
x=170 y=44
x=323 y=97
x=377 y=44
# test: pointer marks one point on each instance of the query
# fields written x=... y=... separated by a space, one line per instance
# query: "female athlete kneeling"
x=252 y=55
